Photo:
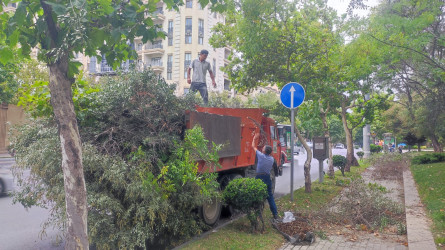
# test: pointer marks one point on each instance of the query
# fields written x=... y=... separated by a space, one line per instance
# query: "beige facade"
x=187 y=33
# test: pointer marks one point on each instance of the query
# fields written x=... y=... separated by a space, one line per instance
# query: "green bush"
x=142 y=180
x=360 y=154
x=247 y=195
x=375 y=148
x=428 y=158
x=339 y=162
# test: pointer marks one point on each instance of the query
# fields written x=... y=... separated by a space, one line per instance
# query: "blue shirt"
x=265 y=163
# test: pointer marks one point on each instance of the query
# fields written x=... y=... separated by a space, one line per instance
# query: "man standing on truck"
x=200 y=67
x=264 y=166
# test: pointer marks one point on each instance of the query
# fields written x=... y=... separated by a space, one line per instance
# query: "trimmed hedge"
x=428 y=158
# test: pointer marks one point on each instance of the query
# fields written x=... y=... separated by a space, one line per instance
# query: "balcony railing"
x=154 y=46
x=155 y=63
x=169 y=66
x=188 y=29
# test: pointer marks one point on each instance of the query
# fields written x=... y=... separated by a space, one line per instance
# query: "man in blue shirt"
x=264 y=166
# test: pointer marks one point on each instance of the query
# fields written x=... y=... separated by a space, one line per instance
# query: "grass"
x=430 y=179
x=237 y=234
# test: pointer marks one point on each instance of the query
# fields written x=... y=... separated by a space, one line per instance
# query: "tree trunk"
x=74 y=181
x=436 y=145
x=307 y=163
x=350 y=158
x=328 y=135
x=418 y=147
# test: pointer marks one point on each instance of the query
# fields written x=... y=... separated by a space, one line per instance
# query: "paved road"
x=282 y=186
x=20 y=228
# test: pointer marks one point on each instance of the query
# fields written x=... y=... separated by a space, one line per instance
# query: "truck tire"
x=211 y=211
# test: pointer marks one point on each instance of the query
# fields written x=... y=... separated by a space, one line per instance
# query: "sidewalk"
x=418 y=229
x=340 y=243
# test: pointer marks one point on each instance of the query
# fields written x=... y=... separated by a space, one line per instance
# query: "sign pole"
x=320 y=171
x=291 y=96
x=292 y=142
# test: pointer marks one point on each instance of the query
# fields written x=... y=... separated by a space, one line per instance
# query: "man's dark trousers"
x=202 y=88
x=266 y=179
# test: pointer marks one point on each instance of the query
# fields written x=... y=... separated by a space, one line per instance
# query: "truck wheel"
x=211 y=211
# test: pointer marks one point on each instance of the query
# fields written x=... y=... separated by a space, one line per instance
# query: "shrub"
x=428 y=158
x=247 y=195
x=339 y=162
x=375 y=148
x=360 y=154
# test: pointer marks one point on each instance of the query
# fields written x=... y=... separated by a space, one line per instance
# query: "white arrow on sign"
x=292 y=90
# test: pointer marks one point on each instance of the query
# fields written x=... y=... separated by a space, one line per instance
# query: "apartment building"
x=187 y=33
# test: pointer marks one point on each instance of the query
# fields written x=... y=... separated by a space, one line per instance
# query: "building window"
x=139 y=47
x=104 y=67
x=170 y=33
x=92 y=66
x=169 y=67
x=189 y=3
x=188 y=30
x=200 y=31
x=187 y=61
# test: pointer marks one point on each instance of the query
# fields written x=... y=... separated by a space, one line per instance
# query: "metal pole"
x=292 y=143
x=320 y=169
x=366 y=135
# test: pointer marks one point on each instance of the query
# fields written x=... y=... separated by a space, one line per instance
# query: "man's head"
x=203 y=55
x=267 y=150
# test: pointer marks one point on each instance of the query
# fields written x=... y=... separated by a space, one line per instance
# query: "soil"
x=297 y=228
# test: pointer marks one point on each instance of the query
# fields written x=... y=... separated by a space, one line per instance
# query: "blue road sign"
x=292 y=95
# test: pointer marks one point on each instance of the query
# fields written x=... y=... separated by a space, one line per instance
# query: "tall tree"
x=59 y=29
x=412 y=33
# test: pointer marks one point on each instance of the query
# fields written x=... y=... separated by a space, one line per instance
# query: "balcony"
x=153 y=49
x=159 y=14
x=156 y=66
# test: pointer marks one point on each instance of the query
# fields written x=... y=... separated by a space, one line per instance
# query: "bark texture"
x=307 y=163
x=323 y=114
x=75 y=190
x=350 y=158
x=436 y=145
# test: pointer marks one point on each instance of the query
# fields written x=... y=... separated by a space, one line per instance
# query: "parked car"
x=297 y=149
x=6 y=181
x=309 y=143
x=339 y=145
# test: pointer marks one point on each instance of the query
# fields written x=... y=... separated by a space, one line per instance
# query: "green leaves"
x=5 y=55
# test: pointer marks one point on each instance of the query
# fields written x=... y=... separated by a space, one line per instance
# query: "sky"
x=342 y=5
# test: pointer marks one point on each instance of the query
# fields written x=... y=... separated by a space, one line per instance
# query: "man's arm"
x=212 y=76
x=255 y=138
x=189 y=70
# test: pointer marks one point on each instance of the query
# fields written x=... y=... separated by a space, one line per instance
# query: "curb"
x=417 y=225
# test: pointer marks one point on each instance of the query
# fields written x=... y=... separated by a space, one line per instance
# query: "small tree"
x=248 y=196
x=339 y=162
x=360 y=154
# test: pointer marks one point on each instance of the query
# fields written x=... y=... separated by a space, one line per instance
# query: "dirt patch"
x=297 y=228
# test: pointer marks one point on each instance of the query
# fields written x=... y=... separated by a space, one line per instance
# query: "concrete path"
x=417 y=223
x=340 y=243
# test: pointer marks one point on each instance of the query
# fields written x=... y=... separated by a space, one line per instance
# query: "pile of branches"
x=361 y=205
x=135 y=109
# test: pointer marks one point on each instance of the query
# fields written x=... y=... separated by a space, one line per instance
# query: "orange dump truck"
x=235 y=128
